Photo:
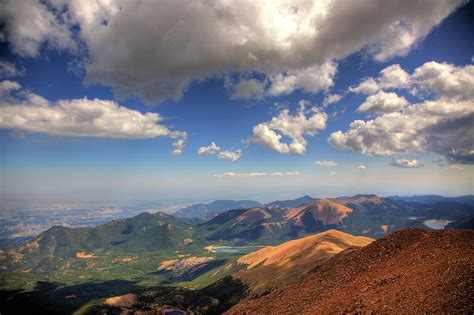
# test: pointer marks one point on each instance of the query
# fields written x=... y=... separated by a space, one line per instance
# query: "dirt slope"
x=410 y=271
x=274 y=266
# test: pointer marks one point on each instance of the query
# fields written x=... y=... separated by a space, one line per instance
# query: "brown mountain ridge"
x=275 y=266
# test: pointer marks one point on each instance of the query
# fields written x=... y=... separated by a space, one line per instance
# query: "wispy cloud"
x=331 y=98
x=256 y=174
x=450 y=166
x=9 y=70
x=326 y=163
x=405 y=163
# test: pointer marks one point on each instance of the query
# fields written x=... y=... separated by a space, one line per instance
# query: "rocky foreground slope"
x=409 y=271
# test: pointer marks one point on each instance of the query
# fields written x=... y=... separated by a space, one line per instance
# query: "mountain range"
x=159 y=261
x=368 y=215
x=467 y=199
x=271 y=224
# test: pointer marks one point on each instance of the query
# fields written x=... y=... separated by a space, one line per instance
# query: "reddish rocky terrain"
x=410 y=271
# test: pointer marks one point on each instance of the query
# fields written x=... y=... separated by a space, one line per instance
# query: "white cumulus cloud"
x=383 y=102
x=441 y=80
x=179 y=144
x=444 y=80
x=442 y=127
x=442 y=122
x=313 y=79
x=213 y=148
x=230 y=155
x=296 y=127
x=210 y=149
x=390 y=77
x=331 y=99
x=81 y=118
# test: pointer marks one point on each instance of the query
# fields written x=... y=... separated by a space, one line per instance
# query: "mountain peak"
x=360 y=198
x=210 y=210
x=292 y=203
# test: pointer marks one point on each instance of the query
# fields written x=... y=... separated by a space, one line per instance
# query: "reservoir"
x=436 y=224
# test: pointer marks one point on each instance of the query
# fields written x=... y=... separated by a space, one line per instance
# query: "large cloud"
x=442 y=122
x=296 y=127
x=180 y=41
x=29 y=112
x=444 y=127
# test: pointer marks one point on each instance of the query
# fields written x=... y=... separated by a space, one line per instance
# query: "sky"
x=161 y=100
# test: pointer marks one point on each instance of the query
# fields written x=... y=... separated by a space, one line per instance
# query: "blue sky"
x=68 y=165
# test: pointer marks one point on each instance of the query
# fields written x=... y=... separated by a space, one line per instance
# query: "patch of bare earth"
x=84 y=255
x=126 y=300
x=179 y=264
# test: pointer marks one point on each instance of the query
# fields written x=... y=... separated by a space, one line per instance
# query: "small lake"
x=436 y=224
x=230 y=249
